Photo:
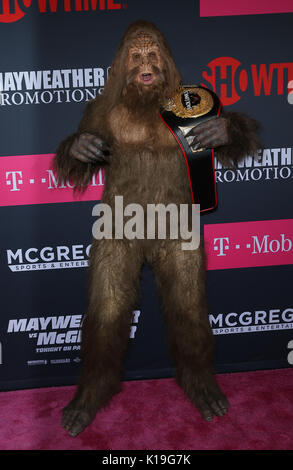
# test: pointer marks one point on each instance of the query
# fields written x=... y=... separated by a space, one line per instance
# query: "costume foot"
x=210 y=400
x=76 y=418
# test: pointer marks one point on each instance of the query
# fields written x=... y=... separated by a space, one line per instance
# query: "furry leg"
x=181 y=278
x=113 y=287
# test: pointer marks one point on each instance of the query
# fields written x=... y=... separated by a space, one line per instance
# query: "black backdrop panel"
x=52 y=62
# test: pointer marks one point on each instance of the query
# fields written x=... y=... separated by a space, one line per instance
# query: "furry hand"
x=90 y=149
x=210 y=134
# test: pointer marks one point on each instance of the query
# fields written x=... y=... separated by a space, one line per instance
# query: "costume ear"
x=109 y=70
x=112 y=70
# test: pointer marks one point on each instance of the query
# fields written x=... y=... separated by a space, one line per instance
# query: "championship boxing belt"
x=187 y=108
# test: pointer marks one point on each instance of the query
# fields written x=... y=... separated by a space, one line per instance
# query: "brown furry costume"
x=146 y=166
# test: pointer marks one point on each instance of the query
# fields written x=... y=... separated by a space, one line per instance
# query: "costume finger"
x=196 y=144
x=214 y=139
x=93 y=157
x=87 y=154
x=96 y=152
x=211 y=123
x=79 y=155
x=209 y=140
x=100 y=144
x=205 y=136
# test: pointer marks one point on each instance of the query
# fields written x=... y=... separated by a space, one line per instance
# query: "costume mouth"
x=146 y=78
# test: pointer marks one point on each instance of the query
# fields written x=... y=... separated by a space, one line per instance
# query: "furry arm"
x=79 y=173
x=243 y=138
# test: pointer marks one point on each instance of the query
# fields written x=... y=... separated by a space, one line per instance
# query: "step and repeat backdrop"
x=55 y=56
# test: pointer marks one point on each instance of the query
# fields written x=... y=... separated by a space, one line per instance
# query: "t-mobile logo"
x=14 y=178
x=30 y=179
x=249 y=244
x=221 y=245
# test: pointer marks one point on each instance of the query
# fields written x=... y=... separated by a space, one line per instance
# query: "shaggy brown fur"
x=243 y=138
x=146 y=166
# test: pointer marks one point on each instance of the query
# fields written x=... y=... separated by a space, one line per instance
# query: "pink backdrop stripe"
x=29 y=179
x=249 y=244
x=247 y=7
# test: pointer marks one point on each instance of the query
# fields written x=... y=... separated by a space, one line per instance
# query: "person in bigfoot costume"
x=121 y=131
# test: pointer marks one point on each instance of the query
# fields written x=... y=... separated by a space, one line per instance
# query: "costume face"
x=144 y=55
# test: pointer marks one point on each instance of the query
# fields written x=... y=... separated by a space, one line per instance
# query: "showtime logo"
x=249 y=244
x=14 y=10
x=230 y=79
x=290 y=92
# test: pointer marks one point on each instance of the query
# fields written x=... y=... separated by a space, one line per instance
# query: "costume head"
x=143 y=64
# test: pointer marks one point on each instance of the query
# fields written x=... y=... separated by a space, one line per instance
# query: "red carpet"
x=155 y=415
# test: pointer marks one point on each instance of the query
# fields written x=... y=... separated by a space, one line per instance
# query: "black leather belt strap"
x=199 y=162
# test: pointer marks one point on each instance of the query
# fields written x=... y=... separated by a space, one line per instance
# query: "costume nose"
x=145 y=60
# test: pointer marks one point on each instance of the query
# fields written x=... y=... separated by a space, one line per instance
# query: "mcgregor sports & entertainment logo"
x=230 y=79
x=14 y=10
x=48 y=257
x=252 y=321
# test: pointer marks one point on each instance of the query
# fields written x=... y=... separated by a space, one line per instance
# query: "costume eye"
x=136 y=57
x=152 y=56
